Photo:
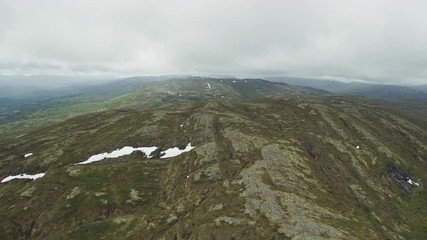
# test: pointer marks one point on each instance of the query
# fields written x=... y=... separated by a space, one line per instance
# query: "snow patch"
x=23 y=176
x=173 y=152
x=28 y=155
x=118 y=153
x=410 y=181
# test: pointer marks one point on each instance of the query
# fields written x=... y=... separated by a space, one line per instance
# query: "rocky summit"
x=227 y=159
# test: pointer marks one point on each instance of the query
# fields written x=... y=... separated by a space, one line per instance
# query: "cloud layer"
x=374 y=40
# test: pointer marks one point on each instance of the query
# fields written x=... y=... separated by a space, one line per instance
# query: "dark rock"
x=157 y=153
x=399 y=177
x=182 y=144
x=280 y=126
x=138 y=155
x=199 y=139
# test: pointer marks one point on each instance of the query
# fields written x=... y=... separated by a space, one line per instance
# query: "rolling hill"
x=144 y=92
x=267 y=161
x=359 y=88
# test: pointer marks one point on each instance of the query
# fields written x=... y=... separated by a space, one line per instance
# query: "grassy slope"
x=144 y=95
x=270 y=168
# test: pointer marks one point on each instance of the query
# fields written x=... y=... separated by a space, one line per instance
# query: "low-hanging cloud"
x=374 y=40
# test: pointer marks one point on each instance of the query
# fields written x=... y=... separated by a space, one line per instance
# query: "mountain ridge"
x=286 y=166
x=387 y=91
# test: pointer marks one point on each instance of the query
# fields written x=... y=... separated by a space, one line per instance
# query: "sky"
x=382 y=41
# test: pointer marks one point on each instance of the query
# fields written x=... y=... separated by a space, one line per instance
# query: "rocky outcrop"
x=400 y=178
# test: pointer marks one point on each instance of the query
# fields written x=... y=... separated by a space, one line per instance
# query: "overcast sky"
x=373 y=40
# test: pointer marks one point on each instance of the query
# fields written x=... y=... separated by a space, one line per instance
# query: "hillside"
x=360 y=89
x=387 y=91
x=327 y=85
x=422 y=88
x=291 y=163
x=141 y=92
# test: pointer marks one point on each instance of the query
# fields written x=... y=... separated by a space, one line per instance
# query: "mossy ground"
x=279 y=167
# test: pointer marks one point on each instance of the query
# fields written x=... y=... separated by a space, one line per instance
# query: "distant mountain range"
x=357 y=88
x=422 y=88
x=19 y=94
x=144 y=92
x=23 y=89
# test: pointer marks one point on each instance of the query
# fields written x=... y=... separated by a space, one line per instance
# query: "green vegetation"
x=290 y=163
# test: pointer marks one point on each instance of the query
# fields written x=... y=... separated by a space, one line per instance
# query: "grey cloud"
x=375 y=40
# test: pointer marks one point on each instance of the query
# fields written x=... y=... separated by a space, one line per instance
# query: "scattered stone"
x=74 y=193
x=215 y=207
x=172 y=218
x=134 y=196
x=180 y=208
x=229 y=221
x=312 y=112
x=226 y=184
x=28 y=192
x=100 y=194
x=213 y=172
x=121 y=219
x=151 y=225
x=73 y=172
